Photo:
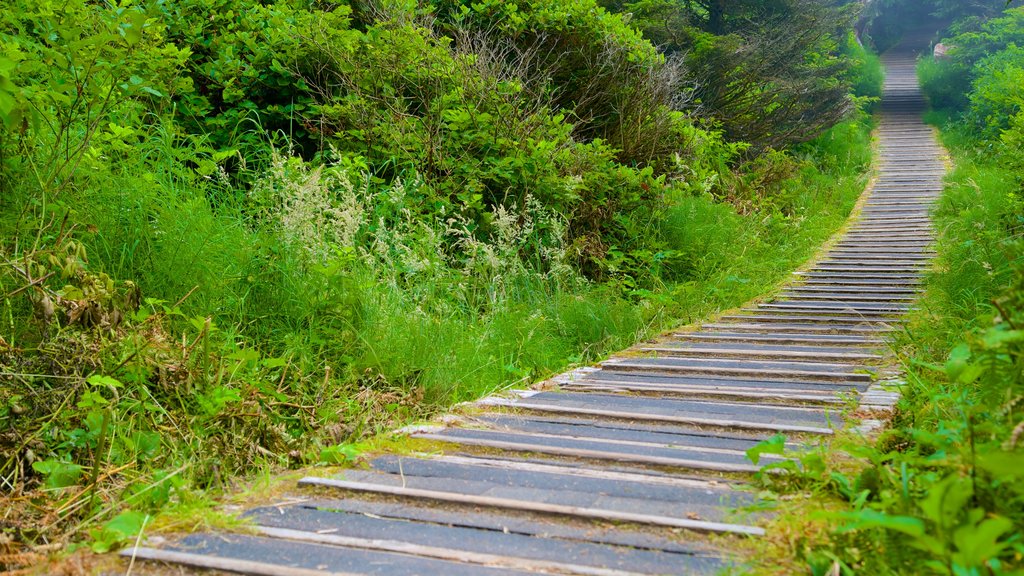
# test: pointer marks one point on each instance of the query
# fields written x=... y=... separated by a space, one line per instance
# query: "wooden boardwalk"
x=626 y=468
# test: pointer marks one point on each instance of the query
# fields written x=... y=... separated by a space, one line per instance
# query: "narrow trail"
x=626 y=468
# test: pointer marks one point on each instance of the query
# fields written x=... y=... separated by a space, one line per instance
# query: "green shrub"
x=945 y=83
x=996 y=96
x=865 y=73
x=949 y=81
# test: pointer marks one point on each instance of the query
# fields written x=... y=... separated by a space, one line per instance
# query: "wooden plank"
x=785 y=318
x=640 y=416
x=573 y=468
x=682 y=446
x=737 y=371
x=226 y=564
x=537 y=507
x=753 y=352
x=757 y=328
x=827 y=397
x=595 y=454
x=438 y=553
x=780 y=338
x=835 y=296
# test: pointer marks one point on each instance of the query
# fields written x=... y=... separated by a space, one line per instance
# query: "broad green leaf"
x=341 y=453
x=100 y=380
x=957 y=362
x=58 y=474
x=1002 y=465
x=274 y=362
x=774 y=445
x=874 y=519
x=979 y=543
x=997 y=338
x=120 y=528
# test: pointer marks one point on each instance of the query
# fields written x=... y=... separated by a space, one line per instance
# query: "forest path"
x=626 y=468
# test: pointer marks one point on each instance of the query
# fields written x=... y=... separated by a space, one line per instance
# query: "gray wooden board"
x=835 y=306
x=755 y=348
x=780 y=367
x=743 y=437
x=813 y=279
x=866 y=289
x=533 y=546
x=892 y=279
x=626 y=451
x=627 y=377
x=323 y=557
x=846 y=296
x=723 y=335
x=697 y=510
x=885 y=255
x=801 y=328
x=872 y=243
x=815 y=314
x=758 y=413
x=709 y=496
x=625 y=431
x=872 y=261
x=788 y=318
x=501 y=521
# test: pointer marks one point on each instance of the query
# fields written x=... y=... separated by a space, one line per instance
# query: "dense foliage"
x=884 y=22
x=299 y=223
x=768 y=73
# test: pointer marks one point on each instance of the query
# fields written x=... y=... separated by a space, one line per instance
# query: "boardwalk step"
x=528 y=505
x=729 y=415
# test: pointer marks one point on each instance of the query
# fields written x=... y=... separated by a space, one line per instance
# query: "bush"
x=866 y=74
x=996 y=96
x=948 y=82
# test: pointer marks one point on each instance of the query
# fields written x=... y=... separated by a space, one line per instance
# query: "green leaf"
x=145 y=444
x=997 y=338
x=274 y=362
x=874 y=519
x=976 y=544
x=946 y=499
x=120 y=528
x=91 y=399
x=774 y=445
x=133 y=28
x=957 y=362
x=100 y=380
x=1004 y=466
x=58 y=474
x=341 y=453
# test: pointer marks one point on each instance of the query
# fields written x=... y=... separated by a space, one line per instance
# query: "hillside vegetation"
x=240 y=236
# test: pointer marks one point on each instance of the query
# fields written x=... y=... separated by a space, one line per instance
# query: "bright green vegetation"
x=942 y=490
x=243 y=236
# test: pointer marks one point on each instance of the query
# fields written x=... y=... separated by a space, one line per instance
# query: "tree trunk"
x=716 y=17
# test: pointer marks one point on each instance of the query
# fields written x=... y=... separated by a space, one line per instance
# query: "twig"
x=187 y=294
x=29 y=285
x=1006 y=317
x=135 y=549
